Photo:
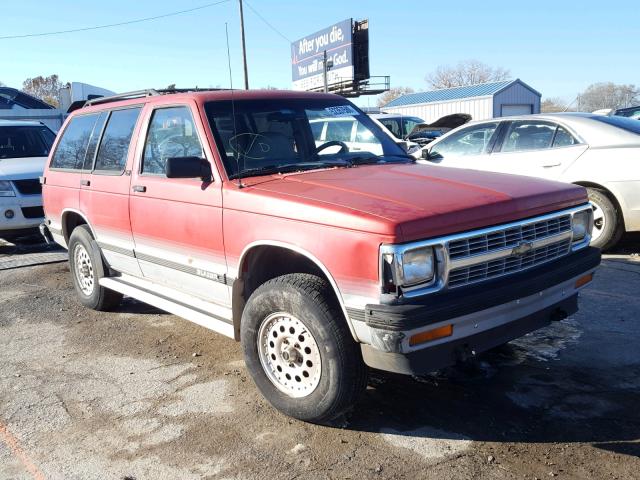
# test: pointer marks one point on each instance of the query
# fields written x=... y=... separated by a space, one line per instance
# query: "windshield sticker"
x=341 y=111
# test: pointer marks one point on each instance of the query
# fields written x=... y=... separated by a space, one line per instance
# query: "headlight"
x=581 y=224
x=417 y=266
x=6 y=190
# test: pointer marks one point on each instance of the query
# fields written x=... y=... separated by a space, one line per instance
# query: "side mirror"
x=425 y=154
x=188 y=167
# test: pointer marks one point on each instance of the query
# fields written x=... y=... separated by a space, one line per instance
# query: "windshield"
x=276 y=135
x=25 y=141
x=628 y=124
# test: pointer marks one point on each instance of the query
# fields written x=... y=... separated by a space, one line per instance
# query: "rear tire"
x=607 y=228
x=299 y=350
x=87 y=268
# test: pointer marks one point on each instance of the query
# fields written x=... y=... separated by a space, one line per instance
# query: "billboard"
x=307 y=56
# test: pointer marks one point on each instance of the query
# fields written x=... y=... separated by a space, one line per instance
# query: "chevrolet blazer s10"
x=321 y=258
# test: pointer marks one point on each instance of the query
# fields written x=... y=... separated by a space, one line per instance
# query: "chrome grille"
x=510 y=237
x=511 y=264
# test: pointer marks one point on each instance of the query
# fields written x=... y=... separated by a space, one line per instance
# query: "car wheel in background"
x=299 y=350
x=607 y=228
x=87 y=268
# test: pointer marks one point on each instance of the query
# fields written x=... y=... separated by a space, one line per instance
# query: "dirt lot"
x=140 y=394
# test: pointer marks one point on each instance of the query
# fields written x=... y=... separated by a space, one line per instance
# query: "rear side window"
x=114 y=146
x=25 y=141
x=72 y=147
x=526 y=135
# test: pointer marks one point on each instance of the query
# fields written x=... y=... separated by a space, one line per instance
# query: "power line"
x=128 y=22
x=266 y=22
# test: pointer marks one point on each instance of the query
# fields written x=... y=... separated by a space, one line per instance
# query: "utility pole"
x=244 y=48
x=326 y=66
x=324 y=71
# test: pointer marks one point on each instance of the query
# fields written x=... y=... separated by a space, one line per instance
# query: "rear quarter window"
x=72 y=147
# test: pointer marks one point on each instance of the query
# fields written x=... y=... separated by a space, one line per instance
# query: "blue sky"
x=557 y=47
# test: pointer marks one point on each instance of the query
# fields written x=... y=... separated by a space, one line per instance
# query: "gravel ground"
x=141 y=394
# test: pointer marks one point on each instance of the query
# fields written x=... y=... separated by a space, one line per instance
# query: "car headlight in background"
x=6 y=190
x=581 y=224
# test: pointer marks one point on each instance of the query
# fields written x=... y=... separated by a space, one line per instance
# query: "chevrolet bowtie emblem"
x=522 y=249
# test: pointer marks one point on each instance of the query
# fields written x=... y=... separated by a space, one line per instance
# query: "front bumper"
x=27 y=215
x=483 y=316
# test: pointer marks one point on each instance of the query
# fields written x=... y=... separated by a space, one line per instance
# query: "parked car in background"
x=601 y=153
x=258 y=215
x=630 y=112
x=24 y=147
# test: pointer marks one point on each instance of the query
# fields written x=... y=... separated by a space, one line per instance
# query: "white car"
x=601 y=153
x=24 y=147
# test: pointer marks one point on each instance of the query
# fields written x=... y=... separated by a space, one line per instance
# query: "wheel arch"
x=71 y=219
x=298 y=259
x=612 y=196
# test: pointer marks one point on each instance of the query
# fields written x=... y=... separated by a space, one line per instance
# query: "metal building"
x=481 y=101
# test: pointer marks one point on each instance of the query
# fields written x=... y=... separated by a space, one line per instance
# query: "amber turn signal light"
x=584 y=280
x=431 y=335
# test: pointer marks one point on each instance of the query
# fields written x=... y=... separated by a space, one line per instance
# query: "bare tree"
x=554 y=104
x=608 y=95
x=467 y=72
x=392 y=94
x=44 y=88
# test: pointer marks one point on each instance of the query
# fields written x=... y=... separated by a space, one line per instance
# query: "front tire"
x=87 y=268
x=299 y=350
x=607 y=227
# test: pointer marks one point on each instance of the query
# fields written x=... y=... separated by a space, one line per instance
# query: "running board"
x=203 y=317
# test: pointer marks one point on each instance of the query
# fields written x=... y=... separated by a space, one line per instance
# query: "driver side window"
x=172 y=133
x=473 y=140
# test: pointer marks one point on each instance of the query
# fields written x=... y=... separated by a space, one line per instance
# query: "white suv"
x=24 y=147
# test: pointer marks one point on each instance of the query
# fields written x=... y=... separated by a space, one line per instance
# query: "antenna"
x=236 y=154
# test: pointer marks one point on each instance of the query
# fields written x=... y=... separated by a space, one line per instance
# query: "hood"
x=446 y=123
x=21 y=168
x=410 y=201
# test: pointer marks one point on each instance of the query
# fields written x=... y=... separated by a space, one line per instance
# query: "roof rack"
x=149 y=92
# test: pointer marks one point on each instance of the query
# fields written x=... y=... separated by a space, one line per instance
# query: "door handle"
x=139 y=188
x=85 y=183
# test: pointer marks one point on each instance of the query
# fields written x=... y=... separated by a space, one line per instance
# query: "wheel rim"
x=83 y=269
x=289 y=355
x=599 y=222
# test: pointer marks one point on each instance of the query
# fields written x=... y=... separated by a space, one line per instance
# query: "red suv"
x=322 y=258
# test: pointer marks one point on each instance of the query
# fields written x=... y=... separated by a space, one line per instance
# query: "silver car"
x=598 y=152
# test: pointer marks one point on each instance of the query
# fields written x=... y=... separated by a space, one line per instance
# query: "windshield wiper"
x=379 y=159
x=288 y=168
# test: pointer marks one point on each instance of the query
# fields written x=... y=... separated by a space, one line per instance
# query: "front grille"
x=30 y=186
x=32 y=212
x=511 y=264
x=510 y=237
